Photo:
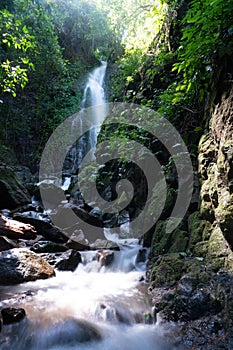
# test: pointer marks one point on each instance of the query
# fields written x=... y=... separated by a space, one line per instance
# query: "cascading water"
x=95 y=307
x=93 y=96
x=92 y=308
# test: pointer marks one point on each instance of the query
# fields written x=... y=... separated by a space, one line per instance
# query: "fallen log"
x=14 y=229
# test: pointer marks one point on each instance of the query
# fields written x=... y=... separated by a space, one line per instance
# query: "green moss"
x=219 y=255
x=168 y=242
x=196 y=228
x=200 y=249
x=167 y=270
x=179 y=241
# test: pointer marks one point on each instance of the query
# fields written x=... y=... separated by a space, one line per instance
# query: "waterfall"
x=93 y=95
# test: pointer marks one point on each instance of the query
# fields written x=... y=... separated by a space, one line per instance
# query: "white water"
x=110 y=300
x=93 y=96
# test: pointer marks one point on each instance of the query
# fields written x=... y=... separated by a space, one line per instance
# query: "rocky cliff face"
x=191 y=270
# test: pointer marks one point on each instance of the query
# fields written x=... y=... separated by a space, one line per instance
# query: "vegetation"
x=165 y=55
x=46 y=50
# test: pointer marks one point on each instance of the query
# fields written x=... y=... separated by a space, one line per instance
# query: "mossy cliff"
x=191 y=269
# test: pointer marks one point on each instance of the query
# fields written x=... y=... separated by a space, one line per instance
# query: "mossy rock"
x=219 y=255
x=196 y=227
x=164 y=242
x=207 y=231
x=13 y=193
x=167 y=270
x=224 y=216
x=200 y=249
x=179 y=241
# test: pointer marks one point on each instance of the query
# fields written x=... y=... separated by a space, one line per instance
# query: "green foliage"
x=16 y=44
x=206 y=38
x=56 y=39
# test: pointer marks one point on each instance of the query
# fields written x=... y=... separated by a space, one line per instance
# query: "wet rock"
x=13 y=193
x=43 y=228
x=69 y=260
x=105 y=258
x=141 y=256
x=21 y=265
x=68 y=332
x=48 y=247
x=66 y=261
x=6 y=243
x=12 y=315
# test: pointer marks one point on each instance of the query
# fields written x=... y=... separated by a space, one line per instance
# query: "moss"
x=167 y=270
x=224 y=216
x=168 y=242
x=196 y=227
x=13 y=193
x=161 y=240
x=200 y=249
x=219 y=254
x=207 y=231
x=179 y=241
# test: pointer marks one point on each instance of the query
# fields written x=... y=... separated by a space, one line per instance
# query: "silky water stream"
x=95 y=307
x=92 y=308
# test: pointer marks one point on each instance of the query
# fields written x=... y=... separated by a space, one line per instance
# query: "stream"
x=92 y=308
x=95 y=307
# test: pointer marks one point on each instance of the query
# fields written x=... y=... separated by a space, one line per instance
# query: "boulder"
x=21 y=265
x=66 y=333
x=43 y=228
x=25 y=176
x=66 y=261
x=77 y=241
x=6 y=244
x=105 y=258
x=15 y=229
x=104 y=244
x=13 y=193
x=12 y=315
x=69 y=260
x=48 y=247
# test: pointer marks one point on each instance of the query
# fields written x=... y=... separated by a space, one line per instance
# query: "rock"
x=13 y=193
x=43 y=228
x=67 y=332
x=104 y=244
x=164 y=242
x=69 y=260
x=15 y=229
x=21 y=265
x=167 y=270
x=105 y=258
x=26 y=177
x=48 y=247
x=141 y=256
x=12 y=315
x=76 y=245
x=66 y=261
x=77 y=241
x=6 y=244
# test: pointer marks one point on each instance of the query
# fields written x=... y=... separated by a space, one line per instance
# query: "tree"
x=16 y=45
